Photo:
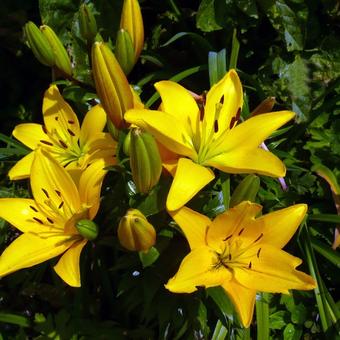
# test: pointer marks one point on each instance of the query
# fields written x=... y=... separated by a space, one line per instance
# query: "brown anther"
x=71 y=132
x=56 y=118
x=227 y=238
x=222 y=99
x=45 y=192
x=58 y=192
x=229 y=257
x=38 y=220
x=232 y=122
x=216 y=126
x=70 y=121
x=258 y=253
x=33 y=208
x=46 y=142
x=238 y=114
x=241 y=231
x=49 y=220
x=60 y=205
x=44 y=129
x=249 y=265
x=259 y=238
x=63 y=144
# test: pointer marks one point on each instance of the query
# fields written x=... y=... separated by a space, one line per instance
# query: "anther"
x=241 y=231
x=229 y=257
x=216 y=126
x=58 y=192
x=49 y=220
x=222 y=99
x=46 y=142
x=60 y=205
x=232 y=122
x=249 y=265
x=56 y=118
x=63 y=144
x=70 y=121
x=38 y=220
x=71 y=132
x=45 y=192
x=33 y=208
x=258 y=253
x=44 y=129
x=259 y=238
x=238 y=114
x=227 y=238
x=201 y=112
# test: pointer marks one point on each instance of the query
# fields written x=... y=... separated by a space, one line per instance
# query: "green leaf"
x=277 y=320
x=206 y=16
x=329 y=218
x=220 y=332
x=235 y=47
x=262 y=316
x=202 y=42
x=19 y=320
x=326 y=251
x=217 y=66
x=291 y=332
x=149 y=258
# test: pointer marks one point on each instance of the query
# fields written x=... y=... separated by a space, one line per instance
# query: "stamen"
x=249 y=265
x=33 y=208
x=201 y=107
x=45 y=192
x=58 y=192
x=44 y=129
x=222 y=99
x=258 y=253
x=46 y=142
x=63 y=144
x=38 y=220
x=49 y=220
x=259 y=238
x=61 y=204
x=232 y=122
x=238 y=114
x=241 y=231
x=56 y=118
x=70 y=121
x=71 y=132
x=229 y=257
x=227 y=238
x=216 y=126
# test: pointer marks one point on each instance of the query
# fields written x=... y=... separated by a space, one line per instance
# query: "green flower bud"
x=246 y=190
x=112 y=86
x=135 y=233
x=87 y=23
x=39 y=44
x=126 y=144
x=88 y=229
x=145 y=160
x=62 y=59
x=124 y=51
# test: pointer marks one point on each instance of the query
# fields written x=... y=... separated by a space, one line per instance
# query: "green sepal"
x=124 y=51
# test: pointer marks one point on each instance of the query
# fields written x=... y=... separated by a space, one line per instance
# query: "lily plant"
x=241 y=253
x=53 y=222
x=209 y=136
x=74 y=147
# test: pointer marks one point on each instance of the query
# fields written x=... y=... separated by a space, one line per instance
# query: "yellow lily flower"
x=209 y=136
x=241 y=253
x=74 y=147
x=48 y=222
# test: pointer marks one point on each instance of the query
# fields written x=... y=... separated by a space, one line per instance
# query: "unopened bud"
x=112 y=86
x=135 y=233
x=145 y=160
x=132 y=21
x=124 y=51
x=88 y=229
x=126 y=144
x=39 y=44
x=87 y=23
x=246 y=190
x=62 y=60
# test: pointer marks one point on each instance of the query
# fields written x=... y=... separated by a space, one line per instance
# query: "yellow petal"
x=90 y=185
x=102 y=145
x=243 y=300
x=23 y=214
x=58 y=114
x=197 y=269
x=52 y=185
x=226 y=96
x=30 y=249
x=189 y=179
x=30 y=134
x=93 y=123
x=279 y=226
x=165 y=127
x=229 y=223
x=272 y=270
x=68 y=265
x=177 y=101
x=249 y=161
x=251 y=133
x=193 y=224
x=22 y=168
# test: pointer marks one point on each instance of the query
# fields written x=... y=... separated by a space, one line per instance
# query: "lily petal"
x=243 y=300
x=272 y=270
x=53 y=188
x=279 y=226
x=68 y=265
x=90 y=185
x=249 y=161
x=166 y=128
x=193 y=224
x=58 y=114
x=23 y=214
x=252 y=132
x=226 y=94
x=22 y=168
x=93 y=123
x=197 y=269
x=30 y=134
x=30 y=249
x=177 y=101
x=189 y=179
x=229 y=223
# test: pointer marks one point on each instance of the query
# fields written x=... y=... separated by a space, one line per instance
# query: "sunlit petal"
x=58 y=114
x=243 y=300
x=197 y=269
x=272 y=270
x=68 y=265
x=22 y=168
x=31 y=135
x=254 y=161
x=166 y=128
x=193 y=224
x=30 y=249
x=189 y=179
x=93 y=123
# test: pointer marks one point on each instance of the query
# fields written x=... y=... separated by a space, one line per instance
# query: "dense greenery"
x=287 y=49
